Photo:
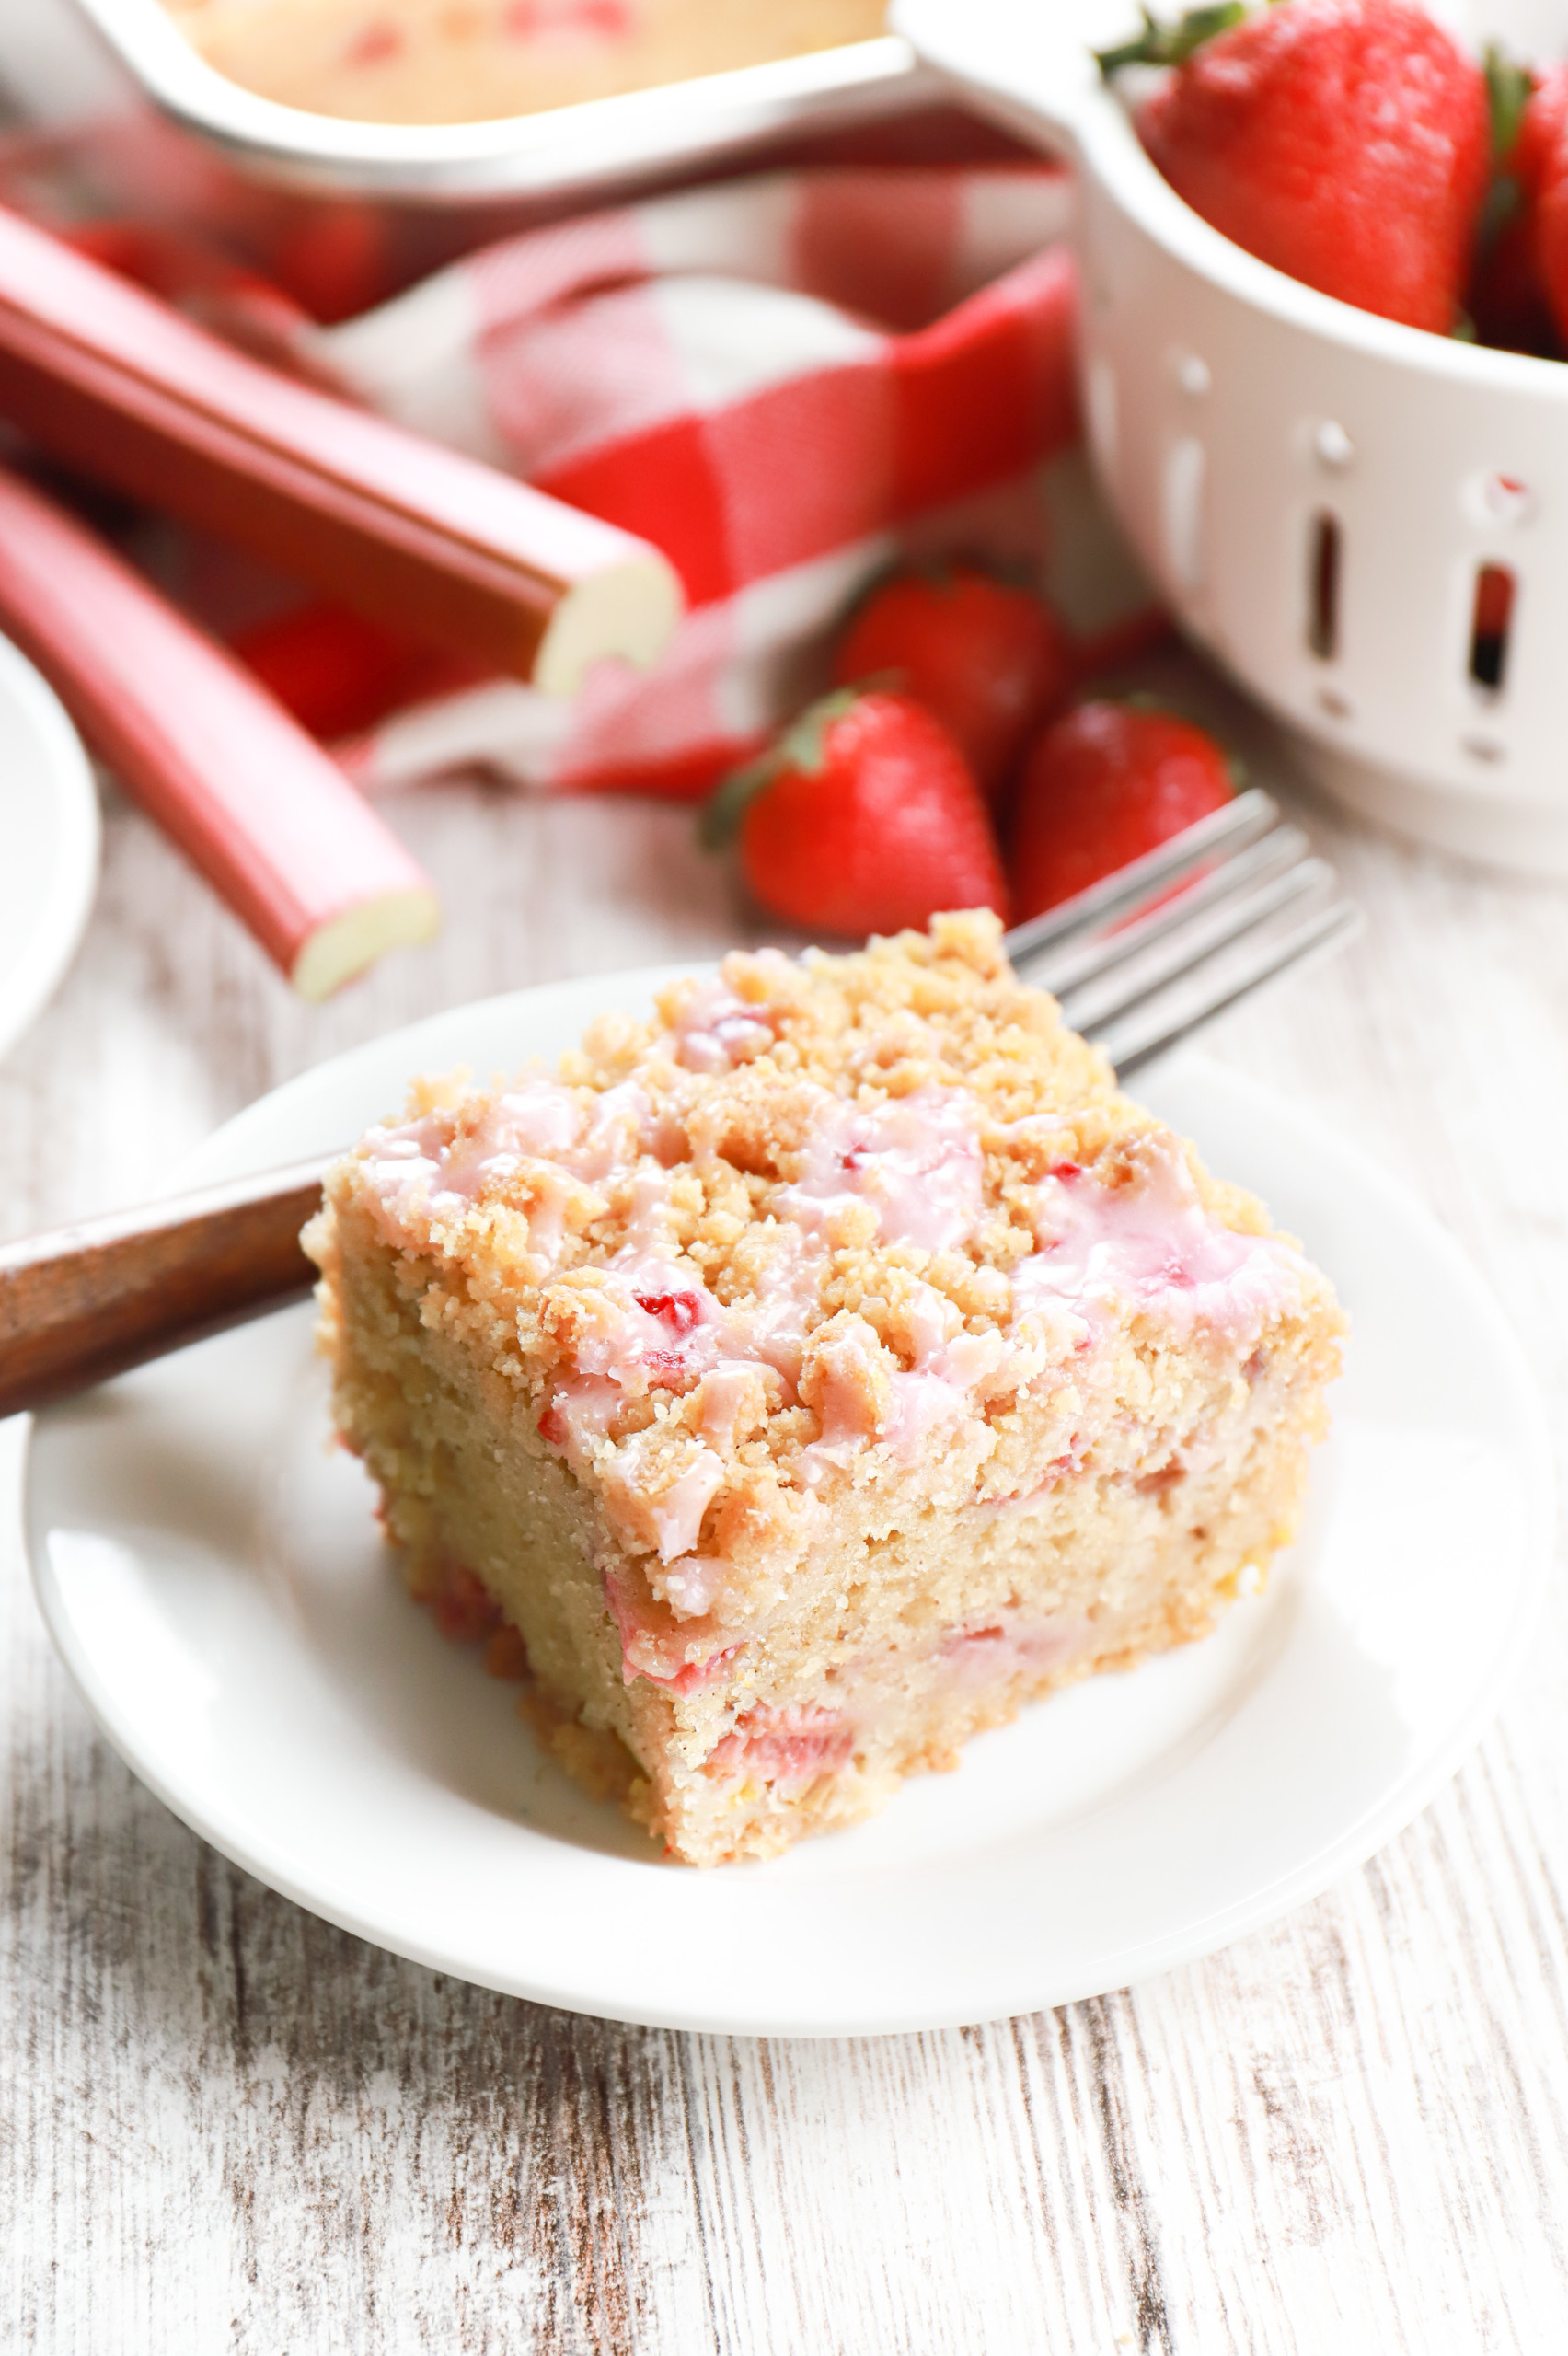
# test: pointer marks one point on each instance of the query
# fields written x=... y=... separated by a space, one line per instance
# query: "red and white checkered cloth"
x=784 y=382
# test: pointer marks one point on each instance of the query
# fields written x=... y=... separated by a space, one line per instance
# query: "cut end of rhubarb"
x=629 y=609
x=355 y=938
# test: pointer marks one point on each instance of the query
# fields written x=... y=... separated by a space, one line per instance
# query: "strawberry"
x=1346 y=142
x=1143 y=629
x=335 y=260
x=1101 y=786
x=1543 y=137
x=1519 y=296
x=864 y=817
x=338 y=672
x=992 y=662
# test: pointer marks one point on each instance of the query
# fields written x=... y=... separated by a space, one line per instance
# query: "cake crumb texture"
x=814 y=1373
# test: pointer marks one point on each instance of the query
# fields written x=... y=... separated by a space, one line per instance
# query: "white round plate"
x=49 y=843
x=209 y=1569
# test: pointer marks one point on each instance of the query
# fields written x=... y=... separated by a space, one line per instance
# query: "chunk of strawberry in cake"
x=817 y=1372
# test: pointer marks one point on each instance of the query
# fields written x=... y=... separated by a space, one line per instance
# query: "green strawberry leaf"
x=1508 y=89
x=1159 y=44
x=802 y=747
x=719 y=821
x=804 y=743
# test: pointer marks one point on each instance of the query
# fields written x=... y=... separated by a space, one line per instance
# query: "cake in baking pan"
x=469 y=61
x=813 y=1375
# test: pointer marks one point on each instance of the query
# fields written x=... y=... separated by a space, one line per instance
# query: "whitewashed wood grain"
x=223 y=2125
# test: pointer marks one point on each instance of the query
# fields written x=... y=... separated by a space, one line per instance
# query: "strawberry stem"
x=1161 y=44
x=719 y=821
x=1508 y=89
x=802 y=747
x=1508 y=92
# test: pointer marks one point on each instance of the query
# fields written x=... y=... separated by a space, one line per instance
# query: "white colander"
x=1367 y=526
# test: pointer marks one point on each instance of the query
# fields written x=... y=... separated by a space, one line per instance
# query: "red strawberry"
x=1520 y=294
x=1346 y=142
x=864 y=817
x=336 y=261
x=1544 y=139
x=1103 y=785
x=990 y=661
x=1506 y=303
x=338 y=672
x=1505 y=300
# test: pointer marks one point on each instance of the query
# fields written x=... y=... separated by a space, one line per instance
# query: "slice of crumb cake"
x=815 y=1374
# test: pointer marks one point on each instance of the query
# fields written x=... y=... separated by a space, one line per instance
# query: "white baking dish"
x=71 y=60
x=1318 y=492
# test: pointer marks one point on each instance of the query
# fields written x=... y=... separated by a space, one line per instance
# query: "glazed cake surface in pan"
x=473 y=61
x=814 y=1374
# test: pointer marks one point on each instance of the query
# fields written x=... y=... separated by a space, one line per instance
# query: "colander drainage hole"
x=1323 y=586
x=1491 y=616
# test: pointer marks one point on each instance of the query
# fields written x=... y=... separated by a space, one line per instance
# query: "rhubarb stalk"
x=269 y=819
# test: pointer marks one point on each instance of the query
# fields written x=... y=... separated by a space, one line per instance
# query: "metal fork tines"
x=1238 y=899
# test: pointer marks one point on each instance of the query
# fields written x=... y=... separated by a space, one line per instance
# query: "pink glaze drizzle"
x=1147 y=1246
x=692 y=1583
x=916 y=1161
x=676 y=1514
x=441 y=1164
x=1151 y=1246
x=715 y=1030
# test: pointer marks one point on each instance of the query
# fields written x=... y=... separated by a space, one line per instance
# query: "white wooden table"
x=223 y=2125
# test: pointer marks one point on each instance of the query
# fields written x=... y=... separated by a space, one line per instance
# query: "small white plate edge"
x=72 y=887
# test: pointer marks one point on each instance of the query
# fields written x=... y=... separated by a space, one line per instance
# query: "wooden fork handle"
x=90 y=1300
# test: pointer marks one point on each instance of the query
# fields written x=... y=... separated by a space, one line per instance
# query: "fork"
x=1139 y=961
x=1178 y=937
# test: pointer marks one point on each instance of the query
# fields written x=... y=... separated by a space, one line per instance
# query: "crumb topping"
x=814 y=1221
